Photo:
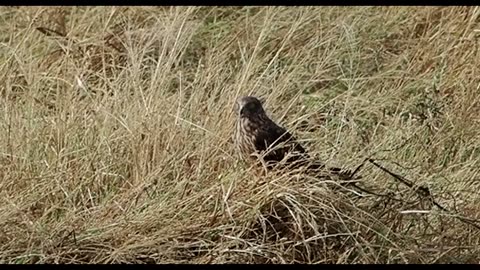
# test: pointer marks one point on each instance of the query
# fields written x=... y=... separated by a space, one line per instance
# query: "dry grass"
x=116 y=133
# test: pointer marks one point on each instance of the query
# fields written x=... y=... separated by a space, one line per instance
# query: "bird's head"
x=248 y=106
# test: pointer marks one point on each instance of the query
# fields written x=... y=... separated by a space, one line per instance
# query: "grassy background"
x=116 y=127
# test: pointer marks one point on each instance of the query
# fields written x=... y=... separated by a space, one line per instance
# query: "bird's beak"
x=242 y=112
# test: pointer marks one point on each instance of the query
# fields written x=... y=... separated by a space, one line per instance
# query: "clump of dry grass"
x=116 y=126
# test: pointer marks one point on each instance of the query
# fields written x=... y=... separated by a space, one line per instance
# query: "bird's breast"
x=246 y=132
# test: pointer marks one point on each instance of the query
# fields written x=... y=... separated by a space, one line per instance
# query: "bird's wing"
x=274 y=136
x=283 y=136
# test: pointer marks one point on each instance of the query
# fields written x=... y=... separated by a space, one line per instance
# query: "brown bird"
x=257 y=136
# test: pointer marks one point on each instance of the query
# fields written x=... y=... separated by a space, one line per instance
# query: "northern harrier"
x=257 y=136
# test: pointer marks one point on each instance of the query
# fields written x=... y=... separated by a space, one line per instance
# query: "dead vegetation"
x=117 y=121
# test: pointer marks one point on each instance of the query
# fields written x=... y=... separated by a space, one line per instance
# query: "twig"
x=424 y=192
x=49 y=32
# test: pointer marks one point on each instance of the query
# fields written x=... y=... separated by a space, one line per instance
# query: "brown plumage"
x=257 y=135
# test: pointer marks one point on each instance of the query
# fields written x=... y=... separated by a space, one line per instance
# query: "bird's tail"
x=342 y=174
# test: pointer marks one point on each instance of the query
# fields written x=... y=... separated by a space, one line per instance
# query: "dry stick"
x=49 y=32
x=424 y=192
x=364 y=189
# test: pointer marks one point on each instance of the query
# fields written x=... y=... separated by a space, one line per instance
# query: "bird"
x=259 y=138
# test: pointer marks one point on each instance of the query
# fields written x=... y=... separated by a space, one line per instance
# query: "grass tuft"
x=116 y=128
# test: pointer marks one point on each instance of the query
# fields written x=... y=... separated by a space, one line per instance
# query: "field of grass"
x=117 y=122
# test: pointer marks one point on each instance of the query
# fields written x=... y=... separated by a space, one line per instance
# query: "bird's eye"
x=251 y=106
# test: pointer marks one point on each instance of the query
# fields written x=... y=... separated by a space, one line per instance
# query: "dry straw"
x=116 y=128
